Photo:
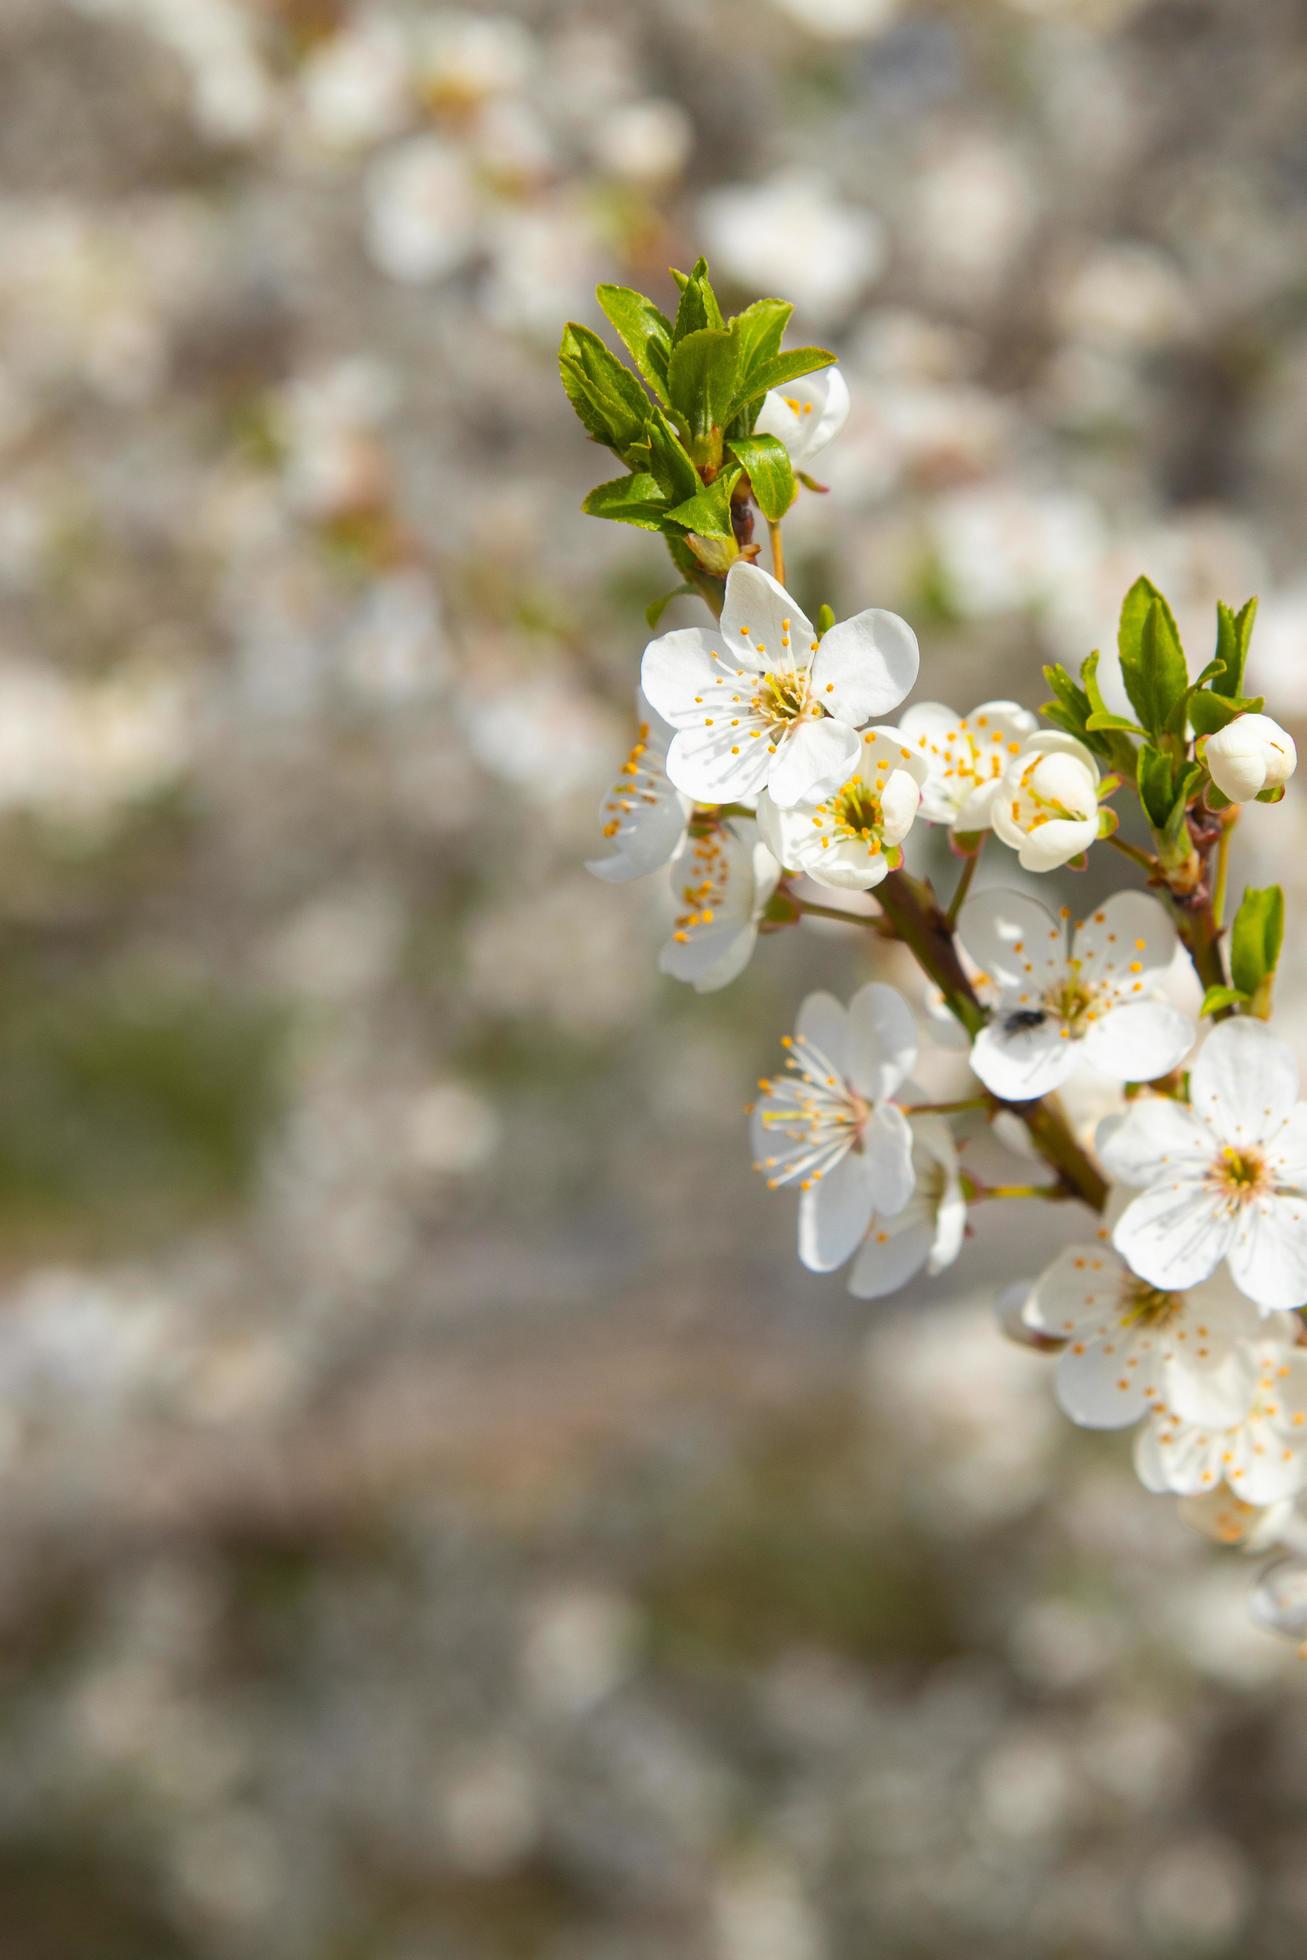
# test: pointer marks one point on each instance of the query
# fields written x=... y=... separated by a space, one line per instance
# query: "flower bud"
x=1047 y=808
x=1250 y=754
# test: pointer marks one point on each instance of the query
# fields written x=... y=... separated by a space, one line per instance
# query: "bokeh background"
x=440 y=1521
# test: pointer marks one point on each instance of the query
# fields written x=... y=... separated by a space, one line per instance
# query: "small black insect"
x=1023 y=1018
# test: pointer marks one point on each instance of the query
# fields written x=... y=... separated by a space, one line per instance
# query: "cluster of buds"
x=779 y=760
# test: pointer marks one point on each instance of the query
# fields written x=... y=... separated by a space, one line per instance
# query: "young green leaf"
x=1152 y=665
x=1217 y=999
x=629 y=500
x=655 y=609
x=774 y=373
x=767 y=461
x=1101 y=716
x=701 y=378
x=698 y=306
x=666 y=460
x=1234 y=630
x=1256 y=938
x=646 y=333
x=759 y=331
x=607 y=397
x=1156 y=780
x=1209 y=710
x=708 y=513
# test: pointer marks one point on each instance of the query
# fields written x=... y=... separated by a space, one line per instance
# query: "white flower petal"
x=894 y=1250
x=865 y=666
x=1014 y=941
x=1245 y=1082
x=714 y=766
x=1155 y=1138
x=882 y=1041
x=834 y=1213
x=1139 y=1041
x=678 y=669
x=1096 y=1387
x=823 y=1025
x=813 y=754
x=1268 y=1260
x=1173 y=1235
x=887 y=1151
x=1020 y=1062
x=759 y=616
x=1127 y=938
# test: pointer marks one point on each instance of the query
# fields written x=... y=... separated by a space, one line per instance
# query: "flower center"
x=857 y=812
x=704 y=890
x=1240 y=1174
x=782 y=698
x=1071 y=1002
x=1147 y=1306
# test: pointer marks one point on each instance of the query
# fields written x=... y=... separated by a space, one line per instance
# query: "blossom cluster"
x=779 y=759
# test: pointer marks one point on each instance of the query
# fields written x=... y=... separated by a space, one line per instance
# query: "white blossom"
x=1229 y=1520
x=828 y=1122
x=423 y=210
x=806 y=414
x=1250 y=754
x=1098 y=1001
x=1047 y=804
x=721 y=882
x=642 y=816
x=965 y=757
x=1224 y=1178
x=928 y=1232
x=848 y=835
x=791 y=234
x=1254 y=1440
x=1128 y=1345
x=758 y=703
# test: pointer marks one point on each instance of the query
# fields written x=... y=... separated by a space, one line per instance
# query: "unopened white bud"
x=1248 y=755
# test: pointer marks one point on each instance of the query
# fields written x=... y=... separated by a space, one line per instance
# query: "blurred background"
x=441 y=1521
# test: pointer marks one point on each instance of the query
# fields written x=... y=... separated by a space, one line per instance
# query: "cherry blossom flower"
x=1225 y=1178
x=791 y=233
x=848 y=835
x=1229 y=1520
x=1047 y=806
x=965 y=757
x=1255 y=1441
x=642 y=817
x=1100 y=1002
x=721 y=883
x=828 y=1122
x=927 y=1233
x=806 y=414
x=758 y=703
x=1250 y=754
x=1129 y=1345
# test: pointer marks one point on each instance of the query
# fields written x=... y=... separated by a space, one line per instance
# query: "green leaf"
x=774 y=373
x=698 y=306
x=646 y=333
x=1101 y=716
x=655 y=609
x=708 y=512
x=1156 y=779
x=1174 y=841
x=1256 y=938
x=1152 y=663
x=667 y=460
x=759 y=331
x=767 y=461
x=1209 y=711
x=609 y=400
x=701 y=378
x=1233 y=633
x=629 y=500
x=1217 y=998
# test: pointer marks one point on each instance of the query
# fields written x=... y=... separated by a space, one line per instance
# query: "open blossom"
x=1047 y=805
x=806 y=414
x=828 y=1123
x=928 y=1232
x=848 y=835
x=965 y=757
x=1255 y=1441
x=721 y=882
x=1223 y=1179
x=758 y=703
x=642 y=817
x=1053 y=1006
x=1129 y=1345
x=1250 y=754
